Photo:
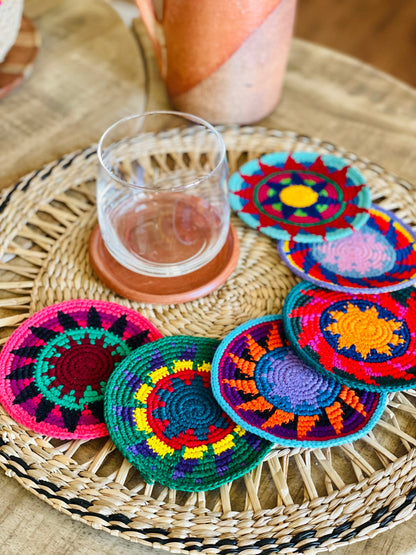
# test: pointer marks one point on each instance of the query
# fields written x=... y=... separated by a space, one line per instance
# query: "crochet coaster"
x=267 y=389
x=162 y=416
x=361 y=340
x=54 y=367
x=300 y=196
x=379 y=257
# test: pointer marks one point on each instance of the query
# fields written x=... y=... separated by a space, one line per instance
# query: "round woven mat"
x=298 y=499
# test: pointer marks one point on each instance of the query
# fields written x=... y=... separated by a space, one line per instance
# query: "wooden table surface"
x=89 y=74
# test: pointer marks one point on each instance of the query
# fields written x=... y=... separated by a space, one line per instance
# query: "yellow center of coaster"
x=298 y=196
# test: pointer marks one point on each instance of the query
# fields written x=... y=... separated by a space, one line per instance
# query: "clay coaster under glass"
x=300 y=196
x=162 y=416
x=149 y=289
x=18 y=64
x=379 y=257
x=54 y=367
x=361 y=340
x=263 y=386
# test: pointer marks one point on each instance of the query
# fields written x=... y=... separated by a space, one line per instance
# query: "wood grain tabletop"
x=91 y=72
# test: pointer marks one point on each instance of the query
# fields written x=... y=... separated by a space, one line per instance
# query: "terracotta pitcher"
x=223 y=60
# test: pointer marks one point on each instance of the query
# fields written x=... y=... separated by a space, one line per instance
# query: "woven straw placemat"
x=298 y=499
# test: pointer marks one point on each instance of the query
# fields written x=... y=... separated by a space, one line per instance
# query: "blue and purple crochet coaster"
x=260 y=382
x=162 y=416
x=379 y=257
x=300 y=196
x=362 y=340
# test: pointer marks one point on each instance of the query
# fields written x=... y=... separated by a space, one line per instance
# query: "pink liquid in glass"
x=168 y=229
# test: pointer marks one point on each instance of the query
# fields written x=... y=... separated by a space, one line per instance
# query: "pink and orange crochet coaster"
x=162 y=416
x=361 y=340
x=379 y=257
x=55 y=366
x=262 y=385
x=300 y=196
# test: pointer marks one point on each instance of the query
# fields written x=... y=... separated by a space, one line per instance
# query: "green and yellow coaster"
x=162 y=416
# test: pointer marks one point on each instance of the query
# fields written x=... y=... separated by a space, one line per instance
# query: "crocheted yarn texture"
x=265 y=387
x=362 y=340
x=54 y=367
x=162 y=416
x=379 y=257
x=300 y=196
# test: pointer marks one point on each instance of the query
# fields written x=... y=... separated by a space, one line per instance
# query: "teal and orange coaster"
x=361 y=340
x=263 y=386
x=379 y=257
x=162 y=416
x=300 y=196
x=54 y=367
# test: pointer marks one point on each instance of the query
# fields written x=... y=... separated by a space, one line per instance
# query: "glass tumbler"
x=162 y=195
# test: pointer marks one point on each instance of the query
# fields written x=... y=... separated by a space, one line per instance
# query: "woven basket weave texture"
x=297 y=500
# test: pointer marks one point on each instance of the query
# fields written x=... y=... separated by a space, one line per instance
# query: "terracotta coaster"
x=18 y=63
x=301 y=196
x=148 y=289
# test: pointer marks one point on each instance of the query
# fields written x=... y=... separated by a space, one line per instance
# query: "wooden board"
x=380 y=32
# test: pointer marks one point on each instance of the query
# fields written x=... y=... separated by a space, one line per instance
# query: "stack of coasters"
x=379 y=257
x=162 y=416
x=300 y=196
x=362 y=340
x=54 y=367
x=261 y=384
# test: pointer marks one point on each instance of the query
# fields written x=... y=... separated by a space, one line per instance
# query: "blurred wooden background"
x=379 y=32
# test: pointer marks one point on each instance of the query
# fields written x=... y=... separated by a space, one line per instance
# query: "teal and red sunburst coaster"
x=55 y=366
x=260 y=382
x=379 y=257
x=300 y=196
x=362 y=340
x=162 y=416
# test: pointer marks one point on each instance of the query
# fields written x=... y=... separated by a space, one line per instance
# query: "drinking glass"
x=162 y=195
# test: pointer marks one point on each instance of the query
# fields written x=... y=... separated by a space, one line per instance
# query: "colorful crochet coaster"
x=54 y=367
x=301 y=196
x=265 y=387
x=361 y=340
x=379 y=257
x=162 y=416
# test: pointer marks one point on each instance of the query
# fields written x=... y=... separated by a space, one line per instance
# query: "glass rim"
x=183 y=115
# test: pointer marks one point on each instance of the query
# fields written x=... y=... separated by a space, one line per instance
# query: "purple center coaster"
x=263 y=386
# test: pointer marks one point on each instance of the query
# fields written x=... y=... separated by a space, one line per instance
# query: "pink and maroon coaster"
x=54 y=368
